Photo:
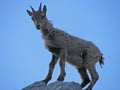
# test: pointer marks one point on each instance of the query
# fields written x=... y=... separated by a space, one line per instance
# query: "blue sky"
x=23 y=57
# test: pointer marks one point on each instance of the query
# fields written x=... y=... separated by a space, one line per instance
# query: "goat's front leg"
x=62 y=68
x=51 y=67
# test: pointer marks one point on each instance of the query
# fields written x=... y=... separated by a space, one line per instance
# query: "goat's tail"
x=101 y=61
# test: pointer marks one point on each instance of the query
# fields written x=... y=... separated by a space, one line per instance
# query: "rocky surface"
x=39 y=85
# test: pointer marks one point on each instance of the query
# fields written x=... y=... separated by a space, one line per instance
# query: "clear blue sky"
x=23 y=58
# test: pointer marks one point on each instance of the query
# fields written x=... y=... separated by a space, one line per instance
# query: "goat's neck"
x=46 y=27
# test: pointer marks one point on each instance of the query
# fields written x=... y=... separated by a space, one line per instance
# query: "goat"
x=78 y=52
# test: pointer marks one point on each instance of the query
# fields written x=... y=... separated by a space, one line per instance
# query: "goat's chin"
x=38 y=28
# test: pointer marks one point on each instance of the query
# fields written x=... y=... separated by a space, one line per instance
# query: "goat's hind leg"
x=51 y=67
x=83 y=73
x=94 y=76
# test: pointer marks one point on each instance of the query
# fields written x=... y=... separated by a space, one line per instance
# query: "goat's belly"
x=75 y=61
x=74 y=57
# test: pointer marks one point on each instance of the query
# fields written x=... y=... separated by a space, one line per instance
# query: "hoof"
x=85 y=82
x=45 y=81
x=60 y=79
x=88 y=89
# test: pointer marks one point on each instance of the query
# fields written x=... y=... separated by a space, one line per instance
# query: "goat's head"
x=38 y=16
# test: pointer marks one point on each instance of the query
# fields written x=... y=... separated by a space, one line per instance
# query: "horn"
x=40 y=6
x=32 y=8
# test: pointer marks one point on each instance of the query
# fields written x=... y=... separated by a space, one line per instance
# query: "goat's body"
x=78 y=52
x=75 y=48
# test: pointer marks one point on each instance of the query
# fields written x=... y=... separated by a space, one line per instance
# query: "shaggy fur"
x=78 y=52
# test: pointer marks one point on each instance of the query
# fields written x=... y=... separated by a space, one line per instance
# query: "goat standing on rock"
x=80 y=53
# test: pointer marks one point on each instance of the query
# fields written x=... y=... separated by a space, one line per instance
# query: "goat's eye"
x=42 y=16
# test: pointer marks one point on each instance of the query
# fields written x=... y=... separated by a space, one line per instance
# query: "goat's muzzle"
x=38 y=27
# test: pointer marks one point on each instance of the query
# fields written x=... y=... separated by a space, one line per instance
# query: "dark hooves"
x=45 y=81
x=60 y=79
x=85 y=82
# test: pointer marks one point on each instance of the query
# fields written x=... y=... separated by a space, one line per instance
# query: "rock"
x=58 y=85
x=39 y=85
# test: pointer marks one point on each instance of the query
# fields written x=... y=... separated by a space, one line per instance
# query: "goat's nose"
x=38 y=26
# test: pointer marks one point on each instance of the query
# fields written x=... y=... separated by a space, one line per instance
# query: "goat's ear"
x=44 y=9
x=29 y=12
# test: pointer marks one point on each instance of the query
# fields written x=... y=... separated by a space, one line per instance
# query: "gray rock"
x=58 y=85
x=39 y=85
